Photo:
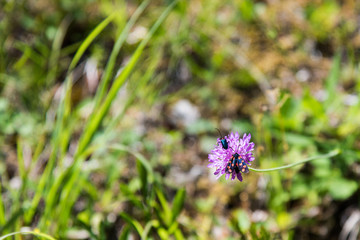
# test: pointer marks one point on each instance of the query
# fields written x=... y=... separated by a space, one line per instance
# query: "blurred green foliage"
x=93 y=144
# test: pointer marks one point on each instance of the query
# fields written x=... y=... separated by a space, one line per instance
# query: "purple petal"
x=239 y=177
x=217 y=171
x=233 y=176
x=249 y=137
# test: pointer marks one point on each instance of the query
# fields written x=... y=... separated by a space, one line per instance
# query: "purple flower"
x=220 y=157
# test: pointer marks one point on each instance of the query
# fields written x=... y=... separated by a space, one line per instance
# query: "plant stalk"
x=330 y=154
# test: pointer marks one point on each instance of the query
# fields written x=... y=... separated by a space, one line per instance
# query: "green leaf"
x=87 y=227
x=173 y=227
x=146 y=164
x=298 y=139
x=312 y=105
x=283 y=220
x=178 y=203
x=35 y=233
x=148 y=226
x=98 y=115
x=165 y=213
x=200 y=126
x=2 y=210
x=163 y=233
x=333 y=79
x=243 y=125
x=323 y=19
x=89 y=40
x=132 y=222
x=289 y=108
x=115 y=52
x=124 y=235
x=143 y=178
x=243 y=220
x=178 y=235
x=246 y=8
x=341 y=188
x=11 y=221
x=299 y=190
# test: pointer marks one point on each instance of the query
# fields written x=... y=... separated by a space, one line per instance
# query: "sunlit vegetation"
x=108 y=112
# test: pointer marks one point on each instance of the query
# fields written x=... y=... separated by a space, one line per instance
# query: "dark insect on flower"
x=237 y=164
x=235 y=160
x=222 y=140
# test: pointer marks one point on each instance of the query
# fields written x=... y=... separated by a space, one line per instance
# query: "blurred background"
x=108 y=112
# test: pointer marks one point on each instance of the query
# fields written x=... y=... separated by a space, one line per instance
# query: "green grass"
x=117 y=164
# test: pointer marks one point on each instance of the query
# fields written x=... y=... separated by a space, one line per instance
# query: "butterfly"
x=237 y=164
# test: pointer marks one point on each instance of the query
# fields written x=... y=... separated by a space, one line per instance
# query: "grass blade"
x=333 y=77
x=98 y=116
x=20 y=158
x=147 y=228
x=55 y=50
x=144 y=80
x=12 y=220
x=89 y=40
x=138 y=156
x=178 y=203
x=72 y=173
x=132 y=222
x=115 y=52
x=165 y=212
x=124 y=235
x=35 y=233
x=62 y=113
x=2 y=210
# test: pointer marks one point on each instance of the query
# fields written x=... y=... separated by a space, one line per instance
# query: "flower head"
x=221 y=158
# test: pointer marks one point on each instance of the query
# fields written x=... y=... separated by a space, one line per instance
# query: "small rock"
x=351 y=99
x=303 y=75
x=184 y=113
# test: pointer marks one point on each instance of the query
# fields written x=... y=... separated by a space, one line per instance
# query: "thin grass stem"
x=330 y=154
x=35 y=233
x=115 y=52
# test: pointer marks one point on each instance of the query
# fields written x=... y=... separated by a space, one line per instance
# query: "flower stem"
x=330 y=154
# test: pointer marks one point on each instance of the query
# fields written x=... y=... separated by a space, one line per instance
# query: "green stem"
x=35 y=233
x=330 y=154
